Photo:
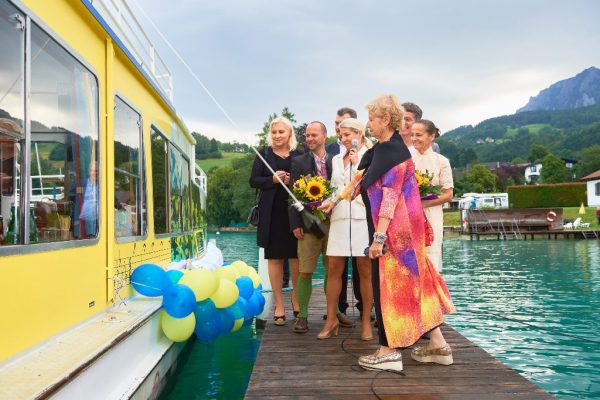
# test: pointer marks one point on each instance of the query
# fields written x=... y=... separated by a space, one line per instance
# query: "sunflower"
x=300 y=185
x=314 y=190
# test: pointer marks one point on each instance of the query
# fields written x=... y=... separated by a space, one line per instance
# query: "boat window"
x=179 y=187
x=130 y=181
x=197 y=217
x=64 y=144
x=598 y=189
x=159 y=174
x=11 y=120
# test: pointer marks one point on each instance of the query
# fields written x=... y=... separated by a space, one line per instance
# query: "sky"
x=462 y=61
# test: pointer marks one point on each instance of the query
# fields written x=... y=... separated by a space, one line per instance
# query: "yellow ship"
x=97 y=176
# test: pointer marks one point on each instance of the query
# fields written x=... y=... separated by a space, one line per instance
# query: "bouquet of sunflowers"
x=427 y=190
x=311 y=191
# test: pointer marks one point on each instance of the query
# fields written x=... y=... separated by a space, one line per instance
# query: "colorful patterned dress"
x=413 y=296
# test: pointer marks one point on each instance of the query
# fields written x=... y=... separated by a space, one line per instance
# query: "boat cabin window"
x=12 y=111
x=61 y=181
x=130 y=181
x=172 y=196
x=159 y=176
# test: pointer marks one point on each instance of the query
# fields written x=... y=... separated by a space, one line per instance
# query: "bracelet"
x=379 y=237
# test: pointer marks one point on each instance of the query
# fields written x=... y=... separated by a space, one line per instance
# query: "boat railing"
x=121 y=18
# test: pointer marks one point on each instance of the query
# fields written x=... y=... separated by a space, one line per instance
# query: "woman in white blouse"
x=423 y=133
x=348 y=232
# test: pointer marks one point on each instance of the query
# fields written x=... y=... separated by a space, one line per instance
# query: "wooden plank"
x=299 y=366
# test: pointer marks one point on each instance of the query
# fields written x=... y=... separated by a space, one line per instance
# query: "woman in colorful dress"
x=273 y=232
x=423 y=134
x=410 y=296
x=348 y=233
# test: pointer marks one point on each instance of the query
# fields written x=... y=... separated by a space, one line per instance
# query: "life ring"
x=550 y=216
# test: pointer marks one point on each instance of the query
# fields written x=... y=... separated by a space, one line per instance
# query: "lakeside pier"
x=291 y=365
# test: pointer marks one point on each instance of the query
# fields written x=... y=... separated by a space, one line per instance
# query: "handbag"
x=253 y=215
x=428 y=232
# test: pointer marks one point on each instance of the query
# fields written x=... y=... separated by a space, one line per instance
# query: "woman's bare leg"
x=276 y=278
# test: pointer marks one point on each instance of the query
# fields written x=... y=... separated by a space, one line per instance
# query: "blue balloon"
x=259 y=287
x=253 y=305
x=150 y=280
x=224 y=319
x=207 y=330
x=238 y=309
x=205 y=310
x=179 y=301
x=248 y=321
x=245 y=285
x=174 y=275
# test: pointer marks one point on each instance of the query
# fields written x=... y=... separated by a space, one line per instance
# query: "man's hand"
x=298 y=233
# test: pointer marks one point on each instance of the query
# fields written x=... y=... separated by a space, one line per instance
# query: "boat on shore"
x=98 y=176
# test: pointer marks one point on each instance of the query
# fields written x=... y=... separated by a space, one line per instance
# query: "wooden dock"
x=533 y=235
x=291 y=365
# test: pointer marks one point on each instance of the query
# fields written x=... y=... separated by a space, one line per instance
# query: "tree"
x=467 y=157
x=553 y=169
x=589 y=161
x=479 y=179
x=507 y=175
x=221 y=189
x=262 y=135
x=537 y=153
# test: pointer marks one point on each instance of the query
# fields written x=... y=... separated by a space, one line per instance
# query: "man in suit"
x=336 y=148
x=315 y=162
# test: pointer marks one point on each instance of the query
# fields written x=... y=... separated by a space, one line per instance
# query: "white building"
x=532 y=171
x=483 y=200
x=593 y=188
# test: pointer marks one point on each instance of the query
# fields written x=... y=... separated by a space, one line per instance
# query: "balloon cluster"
x=208 y=303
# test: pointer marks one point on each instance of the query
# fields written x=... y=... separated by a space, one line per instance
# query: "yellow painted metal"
x=45 y=293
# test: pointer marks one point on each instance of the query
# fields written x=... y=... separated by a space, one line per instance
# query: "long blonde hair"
x=292 y=142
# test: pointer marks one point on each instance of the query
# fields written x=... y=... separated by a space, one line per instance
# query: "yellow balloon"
x=241 y=267
x=177 y=329
x=228 y=273
x=202 y=282
x=226 y=294
x=254 y=276
x=237 y=324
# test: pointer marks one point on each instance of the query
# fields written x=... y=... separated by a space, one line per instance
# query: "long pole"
x=297 y=204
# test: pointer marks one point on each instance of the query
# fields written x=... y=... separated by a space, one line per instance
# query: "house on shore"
x=533 y=170
x=593 y=188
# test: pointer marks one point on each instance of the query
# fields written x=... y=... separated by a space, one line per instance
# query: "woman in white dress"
x=348 y=232
x=423 y=133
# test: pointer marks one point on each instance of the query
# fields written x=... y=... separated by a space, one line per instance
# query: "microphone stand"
x=312 y=223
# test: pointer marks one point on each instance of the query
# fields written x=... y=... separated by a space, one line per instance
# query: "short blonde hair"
x=283 y=120
x=387 y=104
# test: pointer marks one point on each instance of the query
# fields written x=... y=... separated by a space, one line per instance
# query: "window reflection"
x=11 y=121
x=159 y=174
x=64 y=194
x=130 y=207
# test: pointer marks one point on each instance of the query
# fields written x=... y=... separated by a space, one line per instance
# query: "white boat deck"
x=45 y=370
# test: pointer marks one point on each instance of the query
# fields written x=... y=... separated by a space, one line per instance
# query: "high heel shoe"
x=326 y=334
x=366 y=338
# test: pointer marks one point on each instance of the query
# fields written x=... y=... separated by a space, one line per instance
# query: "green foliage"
x=553 y=169
x=562 y=132
x=535 y=196
x=588 y=161
x=537 y=153
x=478 y=178
x=221 y=189
x=262 y=135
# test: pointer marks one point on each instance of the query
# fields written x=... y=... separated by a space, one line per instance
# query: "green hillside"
x=563 y=132
x=226 y=159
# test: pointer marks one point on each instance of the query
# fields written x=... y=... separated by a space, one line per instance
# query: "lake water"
x=534 y=305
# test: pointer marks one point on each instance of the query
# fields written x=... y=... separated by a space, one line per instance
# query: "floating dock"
x=291 y=365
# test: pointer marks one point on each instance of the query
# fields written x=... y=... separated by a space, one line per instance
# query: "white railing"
x=124 y=23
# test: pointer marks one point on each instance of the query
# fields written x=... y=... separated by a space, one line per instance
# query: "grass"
x=452 y=218
x=211 y=163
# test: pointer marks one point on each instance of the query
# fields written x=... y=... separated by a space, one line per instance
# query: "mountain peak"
x=579 y=91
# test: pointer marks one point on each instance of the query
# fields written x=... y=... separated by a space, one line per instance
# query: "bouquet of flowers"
x=312 y=190
x=427 y=190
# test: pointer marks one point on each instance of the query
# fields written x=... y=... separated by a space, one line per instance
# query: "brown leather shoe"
x=301 y=325
x=345 y=322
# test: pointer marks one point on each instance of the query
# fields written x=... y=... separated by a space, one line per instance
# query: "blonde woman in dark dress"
x=274 y=233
